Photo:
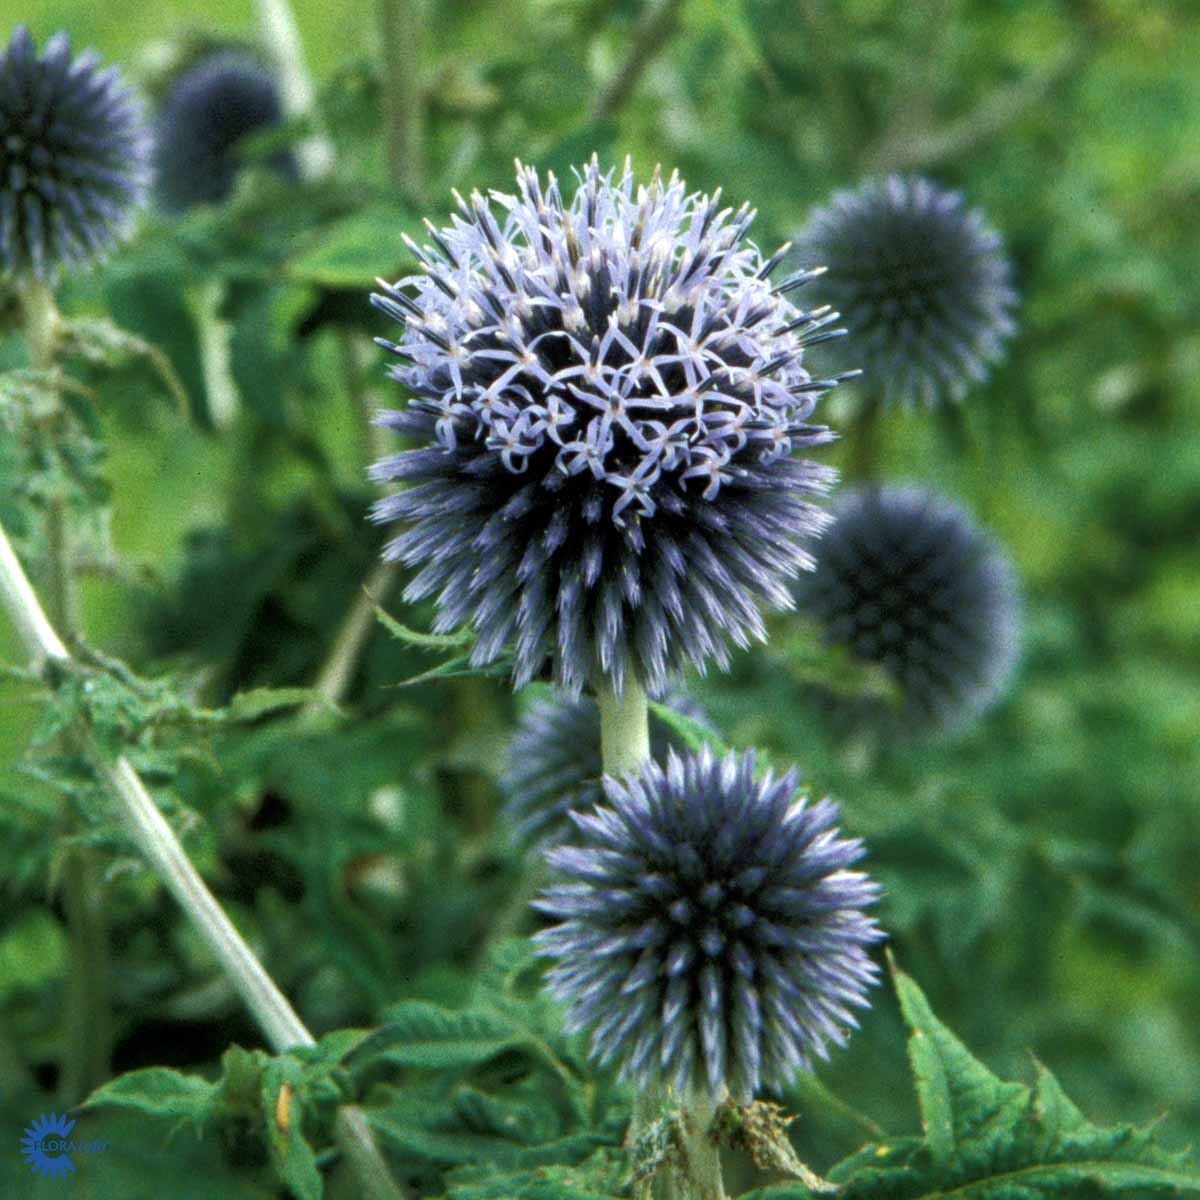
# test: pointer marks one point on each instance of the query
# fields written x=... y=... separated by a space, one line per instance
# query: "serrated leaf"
x=426 y=1037
x=986 y=1139
x=957 y=1093
x=426 y=641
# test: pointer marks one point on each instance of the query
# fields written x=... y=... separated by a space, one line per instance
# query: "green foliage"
x=987 y=1139
x=205 y=428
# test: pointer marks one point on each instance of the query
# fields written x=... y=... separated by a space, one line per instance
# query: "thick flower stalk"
x=607 y=393
x=207 y=112
x=555 y=762
x=74 y=158
x=712 y=934
x=906 y=580
x=924 y=283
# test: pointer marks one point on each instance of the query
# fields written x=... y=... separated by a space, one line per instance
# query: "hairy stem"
x=149 y=831
x=401 y=26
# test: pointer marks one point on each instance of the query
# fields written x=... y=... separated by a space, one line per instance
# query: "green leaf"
x=986 y=1139
x=258 y=702
x=693 y=733
x=427 y=641
x=355 y=251
x=158 y=1092
x=282 y=1114
x=101 y=341
x=426 y=1037
x=957 y=1093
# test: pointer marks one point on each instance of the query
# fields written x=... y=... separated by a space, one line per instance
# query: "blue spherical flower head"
x=923 y=282
x=712 y=932
x=209 y=109
x=555 y=762
x=74 y=158
x=607 y=392
x=905 y=579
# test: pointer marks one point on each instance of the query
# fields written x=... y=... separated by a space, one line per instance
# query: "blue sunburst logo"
x=43 y=1145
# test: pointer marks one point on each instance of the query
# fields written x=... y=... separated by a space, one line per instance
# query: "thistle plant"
x=555 y=762
x=607 y=392
x=906 y=580
x=206 y=114
x=711 y=933
x=74 y=158
x=924 y=283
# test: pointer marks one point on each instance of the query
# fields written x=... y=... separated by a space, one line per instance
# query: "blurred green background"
x=1042 y=870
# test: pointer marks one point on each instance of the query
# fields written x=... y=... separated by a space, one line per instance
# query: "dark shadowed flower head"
x=607 y=391
x=209 y=109
x=923 y=283
x=712 y=932
x=74 y=157
x=555 y=762
x=906 y=580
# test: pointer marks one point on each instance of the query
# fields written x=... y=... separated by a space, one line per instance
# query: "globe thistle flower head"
x=711 y=932
x=555 y=762
x=208 y=110
x=923 y=282
x=607 y=391
x=905 y=579
x=74 y=158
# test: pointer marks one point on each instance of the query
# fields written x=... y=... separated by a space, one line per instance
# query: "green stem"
x=88 y=1018
x=146 y=827
x=402 y=27
x=87 y=1061
x=698 y=1169
x=624 y=727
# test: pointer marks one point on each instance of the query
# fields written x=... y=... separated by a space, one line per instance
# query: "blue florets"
x=74 y=157
x=608 y=392
x=209 y=109
x=712 y=933
x=906 y=580
x=923 y=281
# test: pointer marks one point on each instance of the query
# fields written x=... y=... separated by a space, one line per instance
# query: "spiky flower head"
x=555 y=761
x=207 y=112
x=924 y=283
x=74 y=157
x=711 y=930
x=608 y=392
x=905 y=579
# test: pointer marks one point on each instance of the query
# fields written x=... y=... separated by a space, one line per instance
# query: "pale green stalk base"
x=148 y=829
x=624 y=728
